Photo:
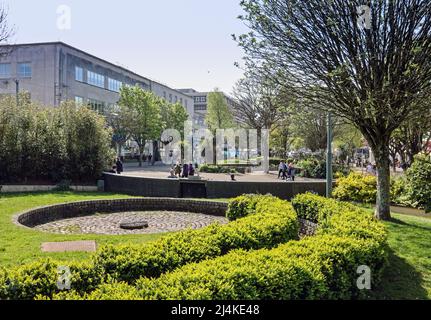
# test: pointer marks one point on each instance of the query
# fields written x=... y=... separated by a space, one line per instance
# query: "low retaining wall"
x=35 y=188
x=38 y=216
x=175 y=188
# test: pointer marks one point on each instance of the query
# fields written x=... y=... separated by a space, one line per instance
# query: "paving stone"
x=109 y=224
x=70 y=246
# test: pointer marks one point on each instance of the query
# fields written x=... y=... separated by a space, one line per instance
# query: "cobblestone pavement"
x=109 y=224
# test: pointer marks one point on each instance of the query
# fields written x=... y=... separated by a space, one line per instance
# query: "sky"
x=181 y=43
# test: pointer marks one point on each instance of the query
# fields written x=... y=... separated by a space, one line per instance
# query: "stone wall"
x=48 y=214
x=175 y=188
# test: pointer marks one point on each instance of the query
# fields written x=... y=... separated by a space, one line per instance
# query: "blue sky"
x=183 y=43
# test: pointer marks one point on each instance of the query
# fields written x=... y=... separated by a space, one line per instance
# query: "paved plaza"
x=109 y=224
x=160 y=171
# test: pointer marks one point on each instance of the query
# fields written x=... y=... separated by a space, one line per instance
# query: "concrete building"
x=55 y=72
x=200 y=100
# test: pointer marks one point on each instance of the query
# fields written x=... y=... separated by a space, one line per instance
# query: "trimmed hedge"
x=356 y=187
x=319 y=267
x=274 y=221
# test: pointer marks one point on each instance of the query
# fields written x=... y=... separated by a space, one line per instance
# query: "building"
x=55 y=72
x=200 y=100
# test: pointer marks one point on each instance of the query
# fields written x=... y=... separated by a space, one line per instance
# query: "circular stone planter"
x=40 y=216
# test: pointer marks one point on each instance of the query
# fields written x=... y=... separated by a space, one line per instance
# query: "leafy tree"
x=376 y=74
x=218 y=114
x=141 y=116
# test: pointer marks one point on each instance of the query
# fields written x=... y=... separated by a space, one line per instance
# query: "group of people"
x=118 y=168
x=286 y=171
x=184 y=171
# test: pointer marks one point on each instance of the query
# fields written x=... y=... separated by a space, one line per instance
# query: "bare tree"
x=370 y=60
x=6 y=32
x=258 y=103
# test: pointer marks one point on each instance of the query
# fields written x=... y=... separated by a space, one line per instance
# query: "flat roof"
x=54 y=43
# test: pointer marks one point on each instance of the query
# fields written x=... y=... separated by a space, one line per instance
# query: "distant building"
x=200 y=100
x=55 y=72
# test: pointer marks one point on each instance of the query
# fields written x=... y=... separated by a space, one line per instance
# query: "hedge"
x=356 y=187
x=274 y=221
x=319 y=267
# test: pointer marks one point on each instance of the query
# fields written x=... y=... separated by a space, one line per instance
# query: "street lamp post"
x=329 y=158
x=17 y=91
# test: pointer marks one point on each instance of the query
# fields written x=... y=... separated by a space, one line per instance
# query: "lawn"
x=20 y=245
x=407 y=277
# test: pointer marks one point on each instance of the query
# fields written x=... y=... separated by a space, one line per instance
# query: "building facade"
x=55 y=72
x=200 y=105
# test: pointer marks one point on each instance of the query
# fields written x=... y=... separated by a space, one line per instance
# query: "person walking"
x=178 y=169
x=150 y=157
x=185 y=170
x=285 y=171
x=292 y=172
x=120 y=167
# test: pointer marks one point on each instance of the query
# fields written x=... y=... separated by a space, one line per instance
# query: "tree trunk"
x=141 y=153
x=383 y=203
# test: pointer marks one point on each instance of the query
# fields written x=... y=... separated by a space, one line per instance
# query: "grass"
x=19 y=245
x=408 y=275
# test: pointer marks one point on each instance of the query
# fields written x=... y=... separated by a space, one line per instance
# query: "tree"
x=120 y=132
x=257 y=103
x=411 y=138
x=6 y=32
x=370 y=63
x=141 y=116
x=218 y=114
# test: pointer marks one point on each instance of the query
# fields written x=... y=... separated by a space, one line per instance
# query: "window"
x=79 y=74
x=114 y=85
x=164 y=94
x=181 y=101
x=5 y=70
x=200 y=99
x=97 y=105
x=79 y=100
x=170 y=97
x=176 y=99
x=200 y=108
x=96 y=79
x=24 y=70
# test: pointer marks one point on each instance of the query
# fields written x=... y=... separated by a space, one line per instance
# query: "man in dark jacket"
x=119 y=165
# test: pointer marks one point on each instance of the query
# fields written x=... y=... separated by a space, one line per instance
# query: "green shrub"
x=52 y=144
x=40 y=278
x=271 y=222
x=356 y=187
x=419 y=183
x=321 y=267
x=216 y=169
x=242 y=206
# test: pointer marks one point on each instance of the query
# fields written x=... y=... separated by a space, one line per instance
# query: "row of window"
x=94 y=104
x=174 y=99
x=23 y=70
x=97 y=80
x=201 y=99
